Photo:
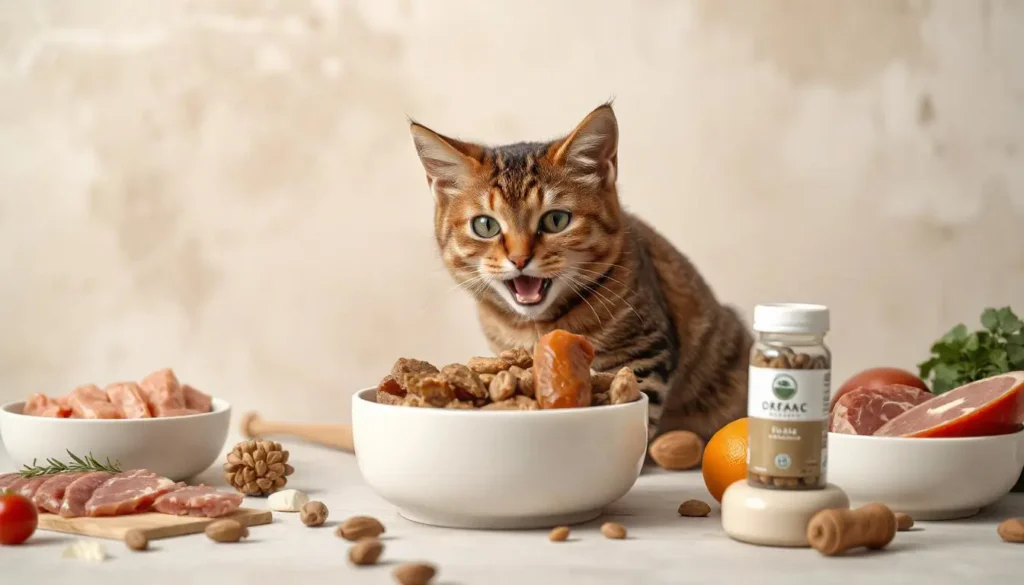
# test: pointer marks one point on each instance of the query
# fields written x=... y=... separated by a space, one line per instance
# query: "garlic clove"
x=287 y=500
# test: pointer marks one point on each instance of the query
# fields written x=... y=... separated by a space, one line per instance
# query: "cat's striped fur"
x=612 y=277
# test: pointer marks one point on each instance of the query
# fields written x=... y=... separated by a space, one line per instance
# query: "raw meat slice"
x=201 y=500
x=7 y=479
x=90 y=402
x=127 y=397
x=79 y=492
x=196 y=400
x=28 y=487
x=163 y=393
x=863 y=410
x=127 y=493
x=992 y=406
x=41 y=405
x=50 y=494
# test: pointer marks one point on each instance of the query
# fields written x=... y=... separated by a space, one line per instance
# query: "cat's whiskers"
x=569 y=283
x=591 y=280
x=605 y=301
x=603 y=275
x=610 y=264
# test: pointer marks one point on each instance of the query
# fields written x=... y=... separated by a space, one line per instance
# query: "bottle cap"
x=791 y=318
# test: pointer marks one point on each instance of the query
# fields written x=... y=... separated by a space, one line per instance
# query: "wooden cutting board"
x=154 y=525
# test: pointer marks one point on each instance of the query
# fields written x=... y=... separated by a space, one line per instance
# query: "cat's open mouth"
x=528 y=290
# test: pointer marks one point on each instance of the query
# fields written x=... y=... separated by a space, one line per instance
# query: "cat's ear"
x=447 y=161
x=590 y=151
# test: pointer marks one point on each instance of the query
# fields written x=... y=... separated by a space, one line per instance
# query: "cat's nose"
x=520 y=260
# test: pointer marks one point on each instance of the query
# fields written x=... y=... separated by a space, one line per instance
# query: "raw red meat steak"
x=198 y=500
x=50 y=494
x=7 y=479
x=864 y=410
x=79 y=492
x=992 y=406
x=127 y=398
x=27 y=487
x=127 y=493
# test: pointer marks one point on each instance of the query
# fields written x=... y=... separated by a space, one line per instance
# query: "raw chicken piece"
x=201 y=500
x=129 y=492
x=90 y=402
x=196 y=400
x=41 y=405
x=79 y=492
x=27 y=487
x=50 y=494
x=163 y=393
x=127 y=397
x=7 y=479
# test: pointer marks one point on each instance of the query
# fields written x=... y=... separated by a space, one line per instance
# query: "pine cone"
x=257 y=468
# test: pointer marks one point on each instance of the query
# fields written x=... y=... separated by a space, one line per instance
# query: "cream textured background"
x=229 y=187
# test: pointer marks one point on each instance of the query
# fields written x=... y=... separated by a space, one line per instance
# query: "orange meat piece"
x=196 y=400
x=41 y=405
x=90 y=402
x=163 y=393
x=561 y=370
x=127 y=397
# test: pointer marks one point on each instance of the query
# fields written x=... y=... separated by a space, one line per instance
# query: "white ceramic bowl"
x=930 y=479
x=489 y=469
x=177 y=447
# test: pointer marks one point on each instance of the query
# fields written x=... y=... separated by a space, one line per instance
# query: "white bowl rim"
x=1019 y=434
x=363 y=396
x=219 y=406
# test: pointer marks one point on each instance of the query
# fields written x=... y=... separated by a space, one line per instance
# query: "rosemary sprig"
x=77 y=464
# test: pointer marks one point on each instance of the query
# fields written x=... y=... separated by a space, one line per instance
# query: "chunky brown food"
x=561 y=370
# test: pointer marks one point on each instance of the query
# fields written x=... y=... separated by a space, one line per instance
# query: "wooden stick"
x=334 y=436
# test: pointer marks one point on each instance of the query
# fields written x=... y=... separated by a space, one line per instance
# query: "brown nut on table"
x=366 y=551
x=613 y=530
x=677 y=450
x=313 y=513
x=226 y=530
x=414 y=573
x=136 y=539
x=694 y=508
x=559 y=534
x=357 y=527
x=903 y=522
x=1011 y=530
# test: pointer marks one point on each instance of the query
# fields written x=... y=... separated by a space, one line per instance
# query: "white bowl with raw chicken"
x=164 y=436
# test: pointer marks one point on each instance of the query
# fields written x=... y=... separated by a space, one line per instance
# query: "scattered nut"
x=1011 y=530
x=613 y=530
x=904 y=521
x=136 y=539
x=694 y=509
x=503 y=386
x=559 y=534
x=313 y=513
x=414 y=573
x=357 y=527
x=366 y=551
x=287 y=501
x=677 y=450
x=226 y=531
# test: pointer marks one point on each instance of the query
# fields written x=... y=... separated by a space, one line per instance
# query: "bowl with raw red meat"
x=933 y=457
x=514 y=441
x=157 y=423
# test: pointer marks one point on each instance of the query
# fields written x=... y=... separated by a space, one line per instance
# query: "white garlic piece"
x=85 y=550
x=287 y=500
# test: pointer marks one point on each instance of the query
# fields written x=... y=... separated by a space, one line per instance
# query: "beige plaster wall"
x=228 y=187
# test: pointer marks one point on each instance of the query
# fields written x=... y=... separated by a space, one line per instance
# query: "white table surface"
x=662 y=547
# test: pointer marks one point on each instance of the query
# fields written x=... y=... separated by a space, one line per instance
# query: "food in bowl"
x=158 y=395
x=556 y=375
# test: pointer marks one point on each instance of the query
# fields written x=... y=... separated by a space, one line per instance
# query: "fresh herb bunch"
x=89 y=463
x=960 y=357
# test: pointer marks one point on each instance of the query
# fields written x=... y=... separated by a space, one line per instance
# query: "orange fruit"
x=725 y=458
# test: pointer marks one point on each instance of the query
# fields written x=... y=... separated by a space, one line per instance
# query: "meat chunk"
x=42 y=405
x=865 y=410
x=198 y=500
x=79 y=491
x=196 y=400
x=127 y=493
x=7 y=479
x=27 y=487
x=561 y=370
x=50 y=494
x=127 y=398
x=163 y=393
x=90 y=402
x=992 y=406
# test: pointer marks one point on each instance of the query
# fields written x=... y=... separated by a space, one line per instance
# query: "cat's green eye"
x=485 y=227
x=554 y=221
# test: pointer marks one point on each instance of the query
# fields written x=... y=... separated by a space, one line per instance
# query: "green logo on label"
x=784 y=387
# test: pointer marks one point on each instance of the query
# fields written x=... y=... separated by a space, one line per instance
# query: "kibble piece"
x=226 y=530
x=517 y=357
x=613 y=530
x=600 y=399
x=503 y=386
x=624 y=387
x=1011 y=530
x=694 y=508
x=414 y=573
x=433 y=388
x=405 y=367
x=487 y=365
x=559 y=534
x=601 y=381
x=313 y=513
x=135 y=539
x=389 y=392
x=904 y=521
x=465 y=383
x=366 y=551
x=357 y=527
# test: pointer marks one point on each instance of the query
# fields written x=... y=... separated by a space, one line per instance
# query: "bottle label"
x=788 y=413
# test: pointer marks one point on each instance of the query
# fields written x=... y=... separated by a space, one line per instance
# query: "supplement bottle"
x=788 y=397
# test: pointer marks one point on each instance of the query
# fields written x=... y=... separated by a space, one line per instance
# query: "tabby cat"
x=535 y=231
